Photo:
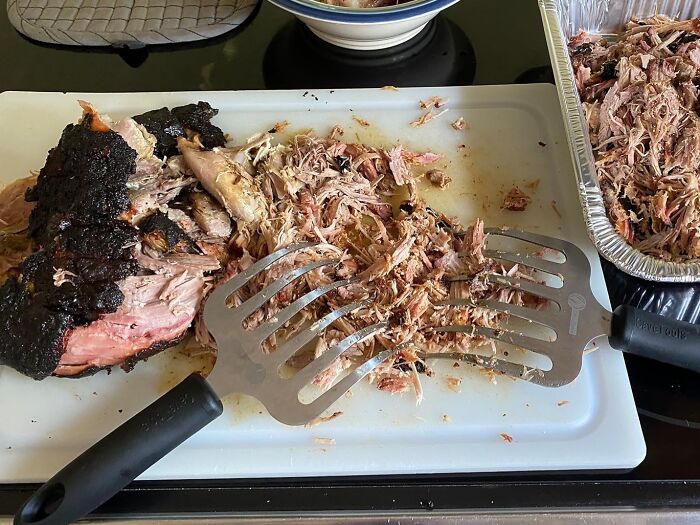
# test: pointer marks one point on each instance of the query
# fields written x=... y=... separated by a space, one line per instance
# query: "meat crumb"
x=505 y=437
x=543 y=144
x=324 y=441
x=438 y=178
x=336 y=132
x=362 y=122
x=426 y=117
x=279 y=127
x=460 y=124
x=455 y=365
x=490 y=375
x=556 y=209
x=323 y=419
x=446 y=418
x=453 y=383
x=516 y=200
x=394 y=385
x=390 y=88
x=562 y=403
x=432 y=102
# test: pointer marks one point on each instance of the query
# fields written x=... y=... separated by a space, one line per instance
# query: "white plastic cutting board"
x=515 y=135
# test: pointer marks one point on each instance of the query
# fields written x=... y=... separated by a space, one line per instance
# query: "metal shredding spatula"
x=576 y=317
x=241 y=367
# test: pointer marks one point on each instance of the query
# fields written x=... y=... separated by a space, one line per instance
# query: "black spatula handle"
x=117 y=459
x=657 y=337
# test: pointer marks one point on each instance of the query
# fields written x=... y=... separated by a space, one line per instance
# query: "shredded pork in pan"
x=640 y=96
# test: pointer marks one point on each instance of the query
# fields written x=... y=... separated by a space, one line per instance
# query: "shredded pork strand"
x=343 y=196
x=460 y=124
x=427 y=117
x=640 y=98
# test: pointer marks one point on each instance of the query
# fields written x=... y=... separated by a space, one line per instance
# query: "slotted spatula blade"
x=575 y=315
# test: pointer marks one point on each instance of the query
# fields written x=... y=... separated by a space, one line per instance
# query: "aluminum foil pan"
x=563 y=19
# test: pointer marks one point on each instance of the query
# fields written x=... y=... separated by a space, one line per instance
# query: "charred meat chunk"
x=98 y=240
x=163 y=234
x=165 y=127
x=197 y=117
x=583 y=49
x=83 y=248
x=65 y=291
x=86 y=301
x=685 y=38
x=343 y=162
x=83 y=181
x=81 y=294
x=33 y=335
x=96 y=270
x=438 y=178
x=609 y=70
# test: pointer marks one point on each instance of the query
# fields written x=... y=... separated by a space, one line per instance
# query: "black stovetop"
x=473 y=42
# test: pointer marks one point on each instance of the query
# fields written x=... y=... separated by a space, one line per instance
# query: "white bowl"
x=365 y=29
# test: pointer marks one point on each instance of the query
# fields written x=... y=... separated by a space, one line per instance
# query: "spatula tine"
x=518 y=283
x=530 y=261
x=534 y=238
x=330 y=396
x=508 y=368
x=305 y=412
x=223 y=291
x=529 y=314
x=505 y=336
x=267 y=293
x=318 y=365
x=517 y=371
x=266 y=329
x=291 y=347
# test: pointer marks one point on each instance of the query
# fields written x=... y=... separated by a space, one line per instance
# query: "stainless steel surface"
x=562 y=19
x=243 y=367
x=576 y=319
x=624 y=517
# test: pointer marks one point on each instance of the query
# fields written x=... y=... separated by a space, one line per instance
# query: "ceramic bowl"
x=365 y=29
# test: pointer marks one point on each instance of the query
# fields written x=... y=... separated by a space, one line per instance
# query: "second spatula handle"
x=657 y=337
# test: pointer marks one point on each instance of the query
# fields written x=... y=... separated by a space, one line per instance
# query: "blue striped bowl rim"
x=331 y=13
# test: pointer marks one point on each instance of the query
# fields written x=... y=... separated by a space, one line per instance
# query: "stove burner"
x=440 y=55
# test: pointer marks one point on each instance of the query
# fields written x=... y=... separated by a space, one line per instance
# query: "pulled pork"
x=640 y=97
x=340 y=195
x=118 y=289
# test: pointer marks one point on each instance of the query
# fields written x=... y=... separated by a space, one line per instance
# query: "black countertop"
x=473 y=42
